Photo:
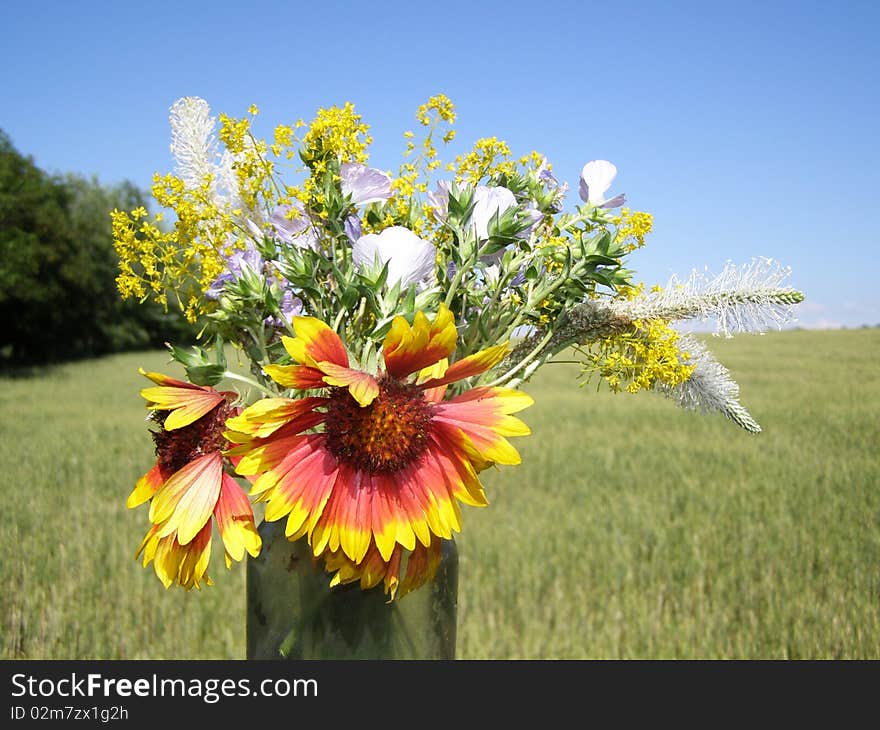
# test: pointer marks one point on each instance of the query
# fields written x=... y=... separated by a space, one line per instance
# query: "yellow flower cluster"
x=489 y=157
x=632 y=228
x=441 y=105
x=553 y=249
x=340 y=133
x=253 y=171
x=334 y=134
x=640 y=358
x=185 y=259
x=412 y=178
x=533 y=161
x=285 y=140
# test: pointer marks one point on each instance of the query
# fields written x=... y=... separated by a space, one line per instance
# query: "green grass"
x=633 y=529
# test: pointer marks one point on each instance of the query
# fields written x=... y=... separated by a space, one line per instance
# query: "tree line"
x=58 y=296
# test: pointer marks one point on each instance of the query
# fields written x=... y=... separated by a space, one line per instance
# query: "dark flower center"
x=175 y=449
x=385 y=436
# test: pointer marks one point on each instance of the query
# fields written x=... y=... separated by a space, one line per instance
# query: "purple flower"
x=291 y=306
x=352 y=227
x=489 y=201
x=292 y=224
x=364 y=184
x=235 y=263
x=545 y=176
x=536 y=215
x=439 y=199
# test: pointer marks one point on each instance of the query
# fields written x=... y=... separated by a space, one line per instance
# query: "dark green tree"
x=58 y=298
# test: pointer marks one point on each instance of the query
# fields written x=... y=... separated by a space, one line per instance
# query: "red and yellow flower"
x=392 y=458
x=189 y=484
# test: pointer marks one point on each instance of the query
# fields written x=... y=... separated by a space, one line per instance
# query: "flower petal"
x=235 y=520
x=615 y=202
x=410 y=259
x=267 y=415
x=315 y=342
x=489 y=201
x=145 y=488
x=364 y=184
x=257 y=456
x=471 y=365
x=407 y=349
x=363 y=387
x=596 y=178
x=482 y=416
x=186 y=501
x=298 y=377
x=160 y=379
x=187 y=405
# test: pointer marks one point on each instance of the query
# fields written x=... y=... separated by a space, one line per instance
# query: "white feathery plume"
x=193 y=143
x=226 y=185
x=710 y=387
x=748 y=298
x=195 y=149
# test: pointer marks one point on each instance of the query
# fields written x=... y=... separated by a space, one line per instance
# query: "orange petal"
x=145 y=488
x=267 y=415
x=421 y=567
x=362 y=386
x=160 y=379
x=298 y=377
x=486 y=443
x=435 y=395
x=187 y=404
x=186 y=501
x=408 y=349
x=235 y=520
x=315 y=342
x=471 y=365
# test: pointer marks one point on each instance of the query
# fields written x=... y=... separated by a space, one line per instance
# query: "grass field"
x=632 y=530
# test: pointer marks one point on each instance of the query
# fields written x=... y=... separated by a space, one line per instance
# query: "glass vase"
x=293 y=613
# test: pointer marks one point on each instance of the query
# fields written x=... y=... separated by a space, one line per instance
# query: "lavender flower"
x=489 y=201
x=439 y=199
x=352 y=227
x=296 y=229
x=291 y=306
x=235 y=264
x=364 y=184
x=536 y=215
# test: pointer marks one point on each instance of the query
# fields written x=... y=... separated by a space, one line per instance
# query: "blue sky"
x=747 y=129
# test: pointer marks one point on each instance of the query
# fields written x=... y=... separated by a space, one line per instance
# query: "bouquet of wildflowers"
x=388 y=321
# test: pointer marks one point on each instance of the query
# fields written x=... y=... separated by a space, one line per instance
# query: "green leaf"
x=189 y=358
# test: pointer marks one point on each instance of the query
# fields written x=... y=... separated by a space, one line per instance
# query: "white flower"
x=596 y=178
x=488 y=202
x=410 y=259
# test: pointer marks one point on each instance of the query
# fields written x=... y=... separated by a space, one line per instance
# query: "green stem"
x=525 y=361
x=253 y=383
